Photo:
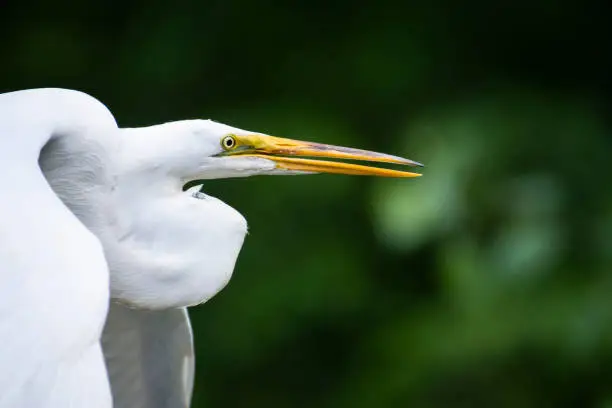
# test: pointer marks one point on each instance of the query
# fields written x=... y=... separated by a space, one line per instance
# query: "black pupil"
x=229 y=142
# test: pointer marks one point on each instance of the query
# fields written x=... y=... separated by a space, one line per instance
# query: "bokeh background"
x=485 y=283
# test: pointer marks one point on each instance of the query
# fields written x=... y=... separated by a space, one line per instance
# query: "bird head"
x=188 y=248
x=204 y=149
x=232 y=152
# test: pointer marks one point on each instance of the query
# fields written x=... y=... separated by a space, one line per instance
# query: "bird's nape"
x=297 y=156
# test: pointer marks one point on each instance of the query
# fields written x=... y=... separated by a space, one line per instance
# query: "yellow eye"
x=228 y=142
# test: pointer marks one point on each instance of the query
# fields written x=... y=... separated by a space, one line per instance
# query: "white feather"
x=133 y=342
x=54 y=278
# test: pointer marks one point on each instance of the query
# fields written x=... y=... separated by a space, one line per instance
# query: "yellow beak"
x=281 y=150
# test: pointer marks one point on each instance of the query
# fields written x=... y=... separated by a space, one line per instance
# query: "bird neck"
x=70 y=134
x=46 y=114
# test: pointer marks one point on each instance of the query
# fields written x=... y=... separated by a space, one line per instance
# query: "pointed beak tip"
x=416 y=164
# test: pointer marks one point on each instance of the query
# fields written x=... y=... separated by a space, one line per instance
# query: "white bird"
x=101 y=250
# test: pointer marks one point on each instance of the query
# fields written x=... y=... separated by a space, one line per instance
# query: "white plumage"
x=91 y=213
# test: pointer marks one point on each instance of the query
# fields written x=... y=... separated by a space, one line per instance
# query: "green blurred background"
x=485 y=283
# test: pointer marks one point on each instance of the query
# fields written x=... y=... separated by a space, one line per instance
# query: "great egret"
x=92 y=212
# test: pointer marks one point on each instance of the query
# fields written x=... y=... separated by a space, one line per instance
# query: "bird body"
x=54 y=276
x=101 y=250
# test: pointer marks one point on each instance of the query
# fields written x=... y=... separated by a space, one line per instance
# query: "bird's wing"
x=149 y=357
x=53 y=289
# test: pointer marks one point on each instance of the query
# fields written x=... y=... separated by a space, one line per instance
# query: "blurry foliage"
x=487 y=282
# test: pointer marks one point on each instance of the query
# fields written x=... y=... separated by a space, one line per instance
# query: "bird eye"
x=228 y=142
